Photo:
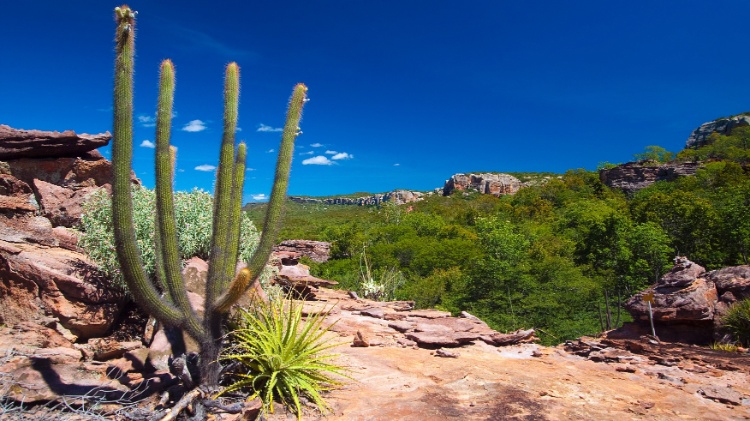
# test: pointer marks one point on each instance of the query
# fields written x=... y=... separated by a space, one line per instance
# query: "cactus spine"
x=223 y=288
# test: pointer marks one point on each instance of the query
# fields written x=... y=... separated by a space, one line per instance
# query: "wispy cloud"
x=259 y=197
x=307 y=153
x=205 y=167
x=316 y=145
x=271 y=151
x=202 y=41
x=249 y=169
x=264 y=128
x=397 y=165
x=148 y=144
x=329 y=152
x=317 y=160
x=238 y=129
x=342 y=155
x=146 y=121
x=194 y=126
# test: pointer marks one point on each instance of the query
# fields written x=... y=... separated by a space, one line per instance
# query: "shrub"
x=193 y=214
x=283 y=357
x=737 y=321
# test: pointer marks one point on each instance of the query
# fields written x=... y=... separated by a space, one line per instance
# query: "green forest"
x=560 y=256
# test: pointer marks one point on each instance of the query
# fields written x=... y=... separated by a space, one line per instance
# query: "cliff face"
x=722 y=126
x=494 y=184
x=398 y=197
x=635 y=176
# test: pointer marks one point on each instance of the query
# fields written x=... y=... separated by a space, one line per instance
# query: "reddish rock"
x=19 y=143
x=693 y=303
x=733 y=280
x=635 y=176
x=35 y=281
x=494 y=184
x=683 y=273
x=27 y=229
x=317 y=251
x=63 y=207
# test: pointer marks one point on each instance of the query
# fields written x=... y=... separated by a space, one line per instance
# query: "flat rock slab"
x=19 y=143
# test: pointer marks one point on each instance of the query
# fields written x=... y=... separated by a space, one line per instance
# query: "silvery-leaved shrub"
x=193 y=214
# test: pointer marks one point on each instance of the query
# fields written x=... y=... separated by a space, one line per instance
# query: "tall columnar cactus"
x=223 y=287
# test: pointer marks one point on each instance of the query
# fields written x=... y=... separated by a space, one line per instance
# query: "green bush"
x=737 y=321
x=193 y=214
x=283 y=357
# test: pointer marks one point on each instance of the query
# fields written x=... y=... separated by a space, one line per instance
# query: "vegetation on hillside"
x=559 y=256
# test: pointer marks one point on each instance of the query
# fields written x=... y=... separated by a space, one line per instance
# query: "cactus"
x=223 y=287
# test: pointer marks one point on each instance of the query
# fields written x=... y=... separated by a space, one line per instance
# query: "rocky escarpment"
x=485 y=183
x=722 y=126
x=45 y=177
x=635 y=176
x=398 y=197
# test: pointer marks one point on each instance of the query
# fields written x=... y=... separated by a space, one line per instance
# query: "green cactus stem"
x=222 y=291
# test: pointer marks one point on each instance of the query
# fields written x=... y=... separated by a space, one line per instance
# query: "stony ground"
x=420 y=365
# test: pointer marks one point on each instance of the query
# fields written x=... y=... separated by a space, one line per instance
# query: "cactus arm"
x=166 y=230
x=233 y=240
x=122 y=155
x=223 y=189
x=272 y=221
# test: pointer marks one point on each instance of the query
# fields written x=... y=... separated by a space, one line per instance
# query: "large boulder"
x=38 y=281
x=734 y=280
x=19 y=143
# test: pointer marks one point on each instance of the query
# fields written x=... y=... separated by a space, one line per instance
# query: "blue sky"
x=403 y=93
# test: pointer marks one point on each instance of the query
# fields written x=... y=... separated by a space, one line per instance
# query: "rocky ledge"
x=635 y=176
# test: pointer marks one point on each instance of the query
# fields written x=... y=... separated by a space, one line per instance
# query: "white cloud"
x=316 y=145
x=264 y=128
x=317 y=160
x=148 y=144
x=205 y=167
x=396 y=165
x=180 y=170
x=238 y=129
x=342 y=155
x=308 y=153
x=259 y=197
x=271 y=151
x=194 y=126
x=249 y=169
x=147 y=121
x=331 y=152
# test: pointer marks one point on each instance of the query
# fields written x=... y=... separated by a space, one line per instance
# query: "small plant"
x=721 y=346
x=737 y=321
x=193 y=212
x=385 y=289
x=282 y=356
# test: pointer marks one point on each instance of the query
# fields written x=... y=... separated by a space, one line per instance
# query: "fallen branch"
x=182 y=404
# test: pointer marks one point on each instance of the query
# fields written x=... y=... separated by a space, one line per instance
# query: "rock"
x=15 y=143
x=27 y=229
x=731 y=280
x=317 y=251
x=693 y=303
x=635 y=176
x=444 y=353
x=724 y=126
x=376 y=312
x=397 y=197
x=60 y=205
x=108 y=348
x=504 y=339
x=361 y=340
x=683 y=273
x=36 y=280
x=722 y=394
x=494 y=184
x=444 y=339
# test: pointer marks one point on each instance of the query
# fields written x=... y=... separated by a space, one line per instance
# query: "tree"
x=654 y=153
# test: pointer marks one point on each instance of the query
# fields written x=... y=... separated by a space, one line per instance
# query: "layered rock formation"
x=722 y=126
x=398 y=197
x=635 y=176
x=494 y=184
x=688 y=302
x=44 y=179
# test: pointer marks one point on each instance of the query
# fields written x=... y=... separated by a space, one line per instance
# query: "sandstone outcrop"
x=317 y=251
x=723 y=126
x=688 y=303
x=15 y=143
x=485 y=183
x=635 y=176
x=399 y=197
x=42 y=272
